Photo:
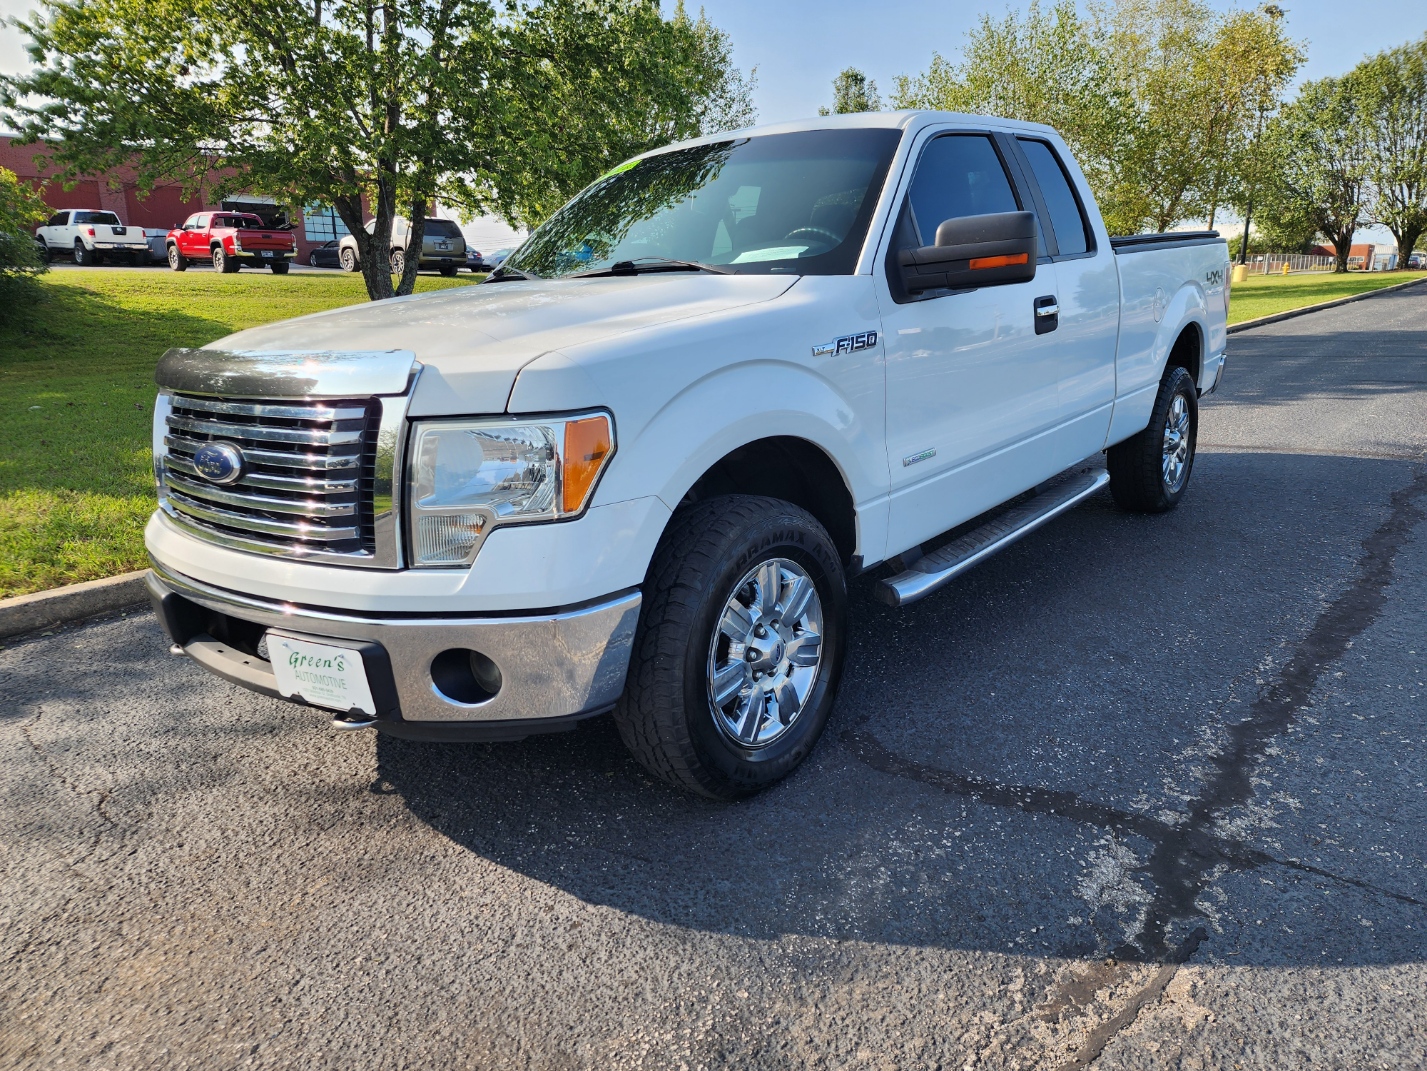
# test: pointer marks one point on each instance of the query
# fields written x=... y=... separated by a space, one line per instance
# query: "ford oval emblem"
x=220 y=463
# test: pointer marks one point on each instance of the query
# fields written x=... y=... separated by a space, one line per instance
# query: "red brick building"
x=164 y=208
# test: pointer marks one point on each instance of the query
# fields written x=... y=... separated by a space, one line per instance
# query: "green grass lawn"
x=76 y=382
x=1264 y=295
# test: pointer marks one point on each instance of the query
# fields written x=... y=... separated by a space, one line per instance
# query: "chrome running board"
x=940 y=567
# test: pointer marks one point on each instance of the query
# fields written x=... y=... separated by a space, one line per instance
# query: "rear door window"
x=958 y=175
x=1071 y=232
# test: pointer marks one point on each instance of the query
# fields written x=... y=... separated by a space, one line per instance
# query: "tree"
x=1392 y=103
x=1324 y=160
x=21 y=208
x=1157 y=98
x=387 y=105
x=853 y=91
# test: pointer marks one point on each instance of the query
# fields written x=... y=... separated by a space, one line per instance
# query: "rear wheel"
x=222 y=262
x=348 y=259
x=312 y=259
x=739 y=647
x=279 y=267
x=176 y=260
x=84 y=257
x=449 y=270
x=1150 y=471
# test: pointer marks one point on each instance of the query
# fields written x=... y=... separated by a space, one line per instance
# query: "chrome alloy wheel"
x=1174 y=465
x=765 y=652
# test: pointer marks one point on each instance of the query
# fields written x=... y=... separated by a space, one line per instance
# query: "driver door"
x=971 y=386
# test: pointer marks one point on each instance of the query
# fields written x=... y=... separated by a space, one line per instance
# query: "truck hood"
x=474 y=340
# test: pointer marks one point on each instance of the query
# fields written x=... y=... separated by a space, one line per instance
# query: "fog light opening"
x=464 y=676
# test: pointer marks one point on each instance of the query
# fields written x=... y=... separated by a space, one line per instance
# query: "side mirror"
x=974 y=251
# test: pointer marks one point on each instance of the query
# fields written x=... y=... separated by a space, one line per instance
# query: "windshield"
x=797 y=203
x=97 y=217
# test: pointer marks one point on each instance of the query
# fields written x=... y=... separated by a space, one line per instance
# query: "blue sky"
x=799 y=45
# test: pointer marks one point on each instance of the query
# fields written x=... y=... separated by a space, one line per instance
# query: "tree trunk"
x=375 y=248
x=415 y=239
x=1406 y=239
x=1244 y=242
x=1342 y=246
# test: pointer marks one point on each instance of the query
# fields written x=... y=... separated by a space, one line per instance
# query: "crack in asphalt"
x=1179 y=866
x=1186 y=854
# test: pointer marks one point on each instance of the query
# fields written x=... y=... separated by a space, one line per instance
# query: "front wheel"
x=176 y=260
x=398 y=262
x=1150 y=471
x=348 y=259
x=739 y=647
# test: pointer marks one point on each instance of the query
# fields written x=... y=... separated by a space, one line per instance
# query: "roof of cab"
x=901 y=120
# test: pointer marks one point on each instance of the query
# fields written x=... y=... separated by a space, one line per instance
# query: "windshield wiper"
x=651 y=264
x=502 y=273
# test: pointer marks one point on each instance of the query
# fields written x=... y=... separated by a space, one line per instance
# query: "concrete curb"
x=1291 y=313
x=44 y=609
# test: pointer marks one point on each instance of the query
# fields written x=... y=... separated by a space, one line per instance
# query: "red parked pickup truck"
x=230 y=240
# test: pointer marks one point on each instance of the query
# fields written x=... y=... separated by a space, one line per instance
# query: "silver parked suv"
x=443 y=249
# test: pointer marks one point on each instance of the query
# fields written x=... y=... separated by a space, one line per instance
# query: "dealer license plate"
x=324 y=675
x=267 y=252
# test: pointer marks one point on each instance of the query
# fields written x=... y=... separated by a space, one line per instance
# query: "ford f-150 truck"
x=91 y=236
x=230 y=240
x=633 y=470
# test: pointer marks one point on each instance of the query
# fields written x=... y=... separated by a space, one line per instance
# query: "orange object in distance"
x=998 y=262
x=587 y=445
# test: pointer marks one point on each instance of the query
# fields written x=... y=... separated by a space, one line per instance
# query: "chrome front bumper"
x=555 y=667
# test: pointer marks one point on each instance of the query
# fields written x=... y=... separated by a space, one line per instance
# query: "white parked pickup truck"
x=634 y=469
x=91 y=236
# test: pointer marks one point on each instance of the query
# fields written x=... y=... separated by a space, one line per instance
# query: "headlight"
x=469 y=477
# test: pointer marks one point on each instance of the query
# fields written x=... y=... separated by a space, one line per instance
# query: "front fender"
x=713 y=417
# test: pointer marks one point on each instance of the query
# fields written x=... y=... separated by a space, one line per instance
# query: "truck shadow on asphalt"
x=1080 y=750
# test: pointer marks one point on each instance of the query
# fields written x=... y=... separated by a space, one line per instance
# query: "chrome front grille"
x=308 y=478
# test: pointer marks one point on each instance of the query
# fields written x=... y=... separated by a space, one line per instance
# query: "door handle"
x=1047 y=314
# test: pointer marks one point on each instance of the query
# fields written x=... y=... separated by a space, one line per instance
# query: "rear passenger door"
x=1087 y=290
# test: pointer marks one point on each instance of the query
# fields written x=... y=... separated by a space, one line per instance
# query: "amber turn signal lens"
x=998 y=262
x=587 y=445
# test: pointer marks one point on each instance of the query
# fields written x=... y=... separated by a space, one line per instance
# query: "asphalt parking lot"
x=1141 y=792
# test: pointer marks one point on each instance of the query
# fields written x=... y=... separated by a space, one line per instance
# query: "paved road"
x=1141 y=792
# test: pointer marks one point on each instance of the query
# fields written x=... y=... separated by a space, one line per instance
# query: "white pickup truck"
x=635 y=468
x=91 y=235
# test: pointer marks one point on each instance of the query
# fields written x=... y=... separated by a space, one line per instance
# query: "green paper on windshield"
x=621 y=168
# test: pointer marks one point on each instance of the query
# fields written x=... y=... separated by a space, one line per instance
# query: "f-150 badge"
x=865 y=340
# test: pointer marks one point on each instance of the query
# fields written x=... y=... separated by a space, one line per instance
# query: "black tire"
x=279 y=267
x=43 y=249
x=312 y=259
x=666 y=715
x=84 y=257
x=347 y=258
x=398 y=262
x=1138 y=473
x=449 y=270
x=176 y=260
x=222 y=262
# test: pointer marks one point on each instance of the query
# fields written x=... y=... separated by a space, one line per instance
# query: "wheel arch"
x=1187 y=351
x=790 y=468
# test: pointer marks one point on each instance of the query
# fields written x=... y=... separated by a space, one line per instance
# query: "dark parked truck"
x=230 y=240
x=634 y=469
